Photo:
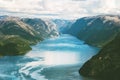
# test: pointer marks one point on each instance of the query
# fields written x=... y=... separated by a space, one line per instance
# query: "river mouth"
x=53 y=59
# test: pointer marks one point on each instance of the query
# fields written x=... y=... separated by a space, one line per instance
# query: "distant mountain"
x=106 y=64
x=21 y=33
x=96 y=30
x=63 y=25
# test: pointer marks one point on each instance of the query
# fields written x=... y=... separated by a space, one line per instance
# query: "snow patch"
x=111 y=18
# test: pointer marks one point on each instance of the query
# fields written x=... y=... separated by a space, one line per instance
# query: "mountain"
x=44 y=28
x=14 y=26
x=96 y=30
x=106 y=64
x=63 y=25
x=23 y=32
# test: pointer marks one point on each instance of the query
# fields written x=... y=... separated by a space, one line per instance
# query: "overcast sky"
x=68 y=9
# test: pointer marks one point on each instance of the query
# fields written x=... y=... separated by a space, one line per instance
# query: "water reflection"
x=60 y=58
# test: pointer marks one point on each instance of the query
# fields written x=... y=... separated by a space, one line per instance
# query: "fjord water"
x=52 y=59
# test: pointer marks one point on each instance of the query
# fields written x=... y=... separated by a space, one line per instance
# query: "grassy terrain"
x=13 y=45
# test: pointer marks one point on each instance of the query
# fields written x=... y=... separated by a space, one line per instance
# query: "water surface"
x=52 y=59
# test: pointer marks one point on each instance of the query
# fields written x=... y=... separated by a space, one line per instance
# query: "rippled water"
x=53 y=59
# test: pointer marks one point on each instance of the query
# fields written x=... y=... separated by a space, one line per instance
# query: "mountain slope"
x=97 y=30
x=14 y=26
x=106 y=64
x=13 y=45
x=43 y=28
x=18 y=34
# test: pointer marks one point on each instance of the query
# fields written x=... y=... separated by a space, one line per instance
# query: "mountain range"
x=103 y=31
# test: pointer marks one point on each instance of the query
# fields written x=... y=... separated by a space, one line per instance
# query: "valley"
x=46 y=49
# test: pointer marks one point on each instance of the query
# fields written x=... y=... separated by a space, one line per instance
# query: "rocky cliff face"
x=106 y=64
x=97 y=30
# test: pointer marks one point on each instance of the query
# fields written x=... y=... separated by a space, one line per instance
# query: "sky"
x=66 y=9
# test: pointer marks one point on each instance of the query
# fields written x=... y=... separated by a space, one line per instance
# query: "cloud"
x=108 y=7
x=59 y=8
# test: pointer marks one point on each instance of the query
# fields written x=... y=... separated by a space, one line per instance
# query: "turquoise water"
x=53 y=59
